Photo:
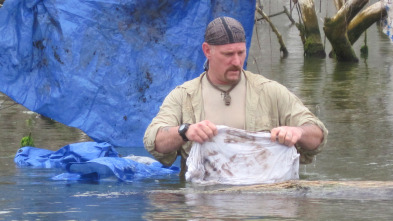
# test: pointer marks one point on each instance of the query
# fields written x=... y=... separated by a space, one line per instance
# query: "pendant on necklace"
x=227 y=99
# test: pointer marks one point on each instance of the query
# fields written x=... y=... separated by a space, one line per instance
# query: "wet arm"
x=308 y=136
x=168 y=140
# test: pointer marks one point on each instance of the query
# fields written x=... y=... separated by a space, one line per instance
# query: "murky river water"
x=355 y=101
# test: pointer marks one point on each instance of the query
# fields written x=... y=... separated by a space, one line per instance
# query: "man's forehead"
x=241 y=46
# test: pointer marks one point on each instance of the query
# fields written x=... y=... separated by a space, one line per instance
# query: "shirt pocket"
x=188 y=112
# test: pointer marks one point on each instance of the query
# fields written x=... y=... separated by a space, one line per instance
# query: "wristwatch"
x=182 y=131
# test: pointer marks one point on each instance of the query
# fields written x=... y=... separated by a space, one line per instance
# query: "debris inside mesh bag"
x=239 y=157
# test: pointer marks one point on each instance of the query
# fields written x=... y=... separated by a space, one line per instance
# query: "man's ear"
x=206 y=49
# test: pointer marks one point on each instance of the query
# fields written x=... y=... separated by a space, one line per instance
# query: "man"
x=228 y=95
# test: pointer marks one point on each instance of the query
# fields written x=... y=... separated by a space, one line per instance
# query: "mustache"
x=234 y=68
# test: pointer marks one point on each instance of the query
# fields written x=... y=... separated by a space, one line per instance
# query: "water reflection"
x=218 y=205
x=194 y=206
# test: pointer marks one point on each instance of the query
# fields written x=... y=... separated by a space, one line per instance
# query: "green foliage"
x=27 y=141
x=29 y=123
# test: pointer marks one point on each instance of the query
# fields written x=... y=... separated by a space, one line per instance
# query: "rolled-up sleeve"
x=168 y=115
x=294 y=113
x=306 y=156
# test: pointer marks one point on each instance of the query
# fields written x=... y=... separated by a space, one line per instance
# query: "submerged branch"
x=283 y=48
x=280 y=13
x=289 y=15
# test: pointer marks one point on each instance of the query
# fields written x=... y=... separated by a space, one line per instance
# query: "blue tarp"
x=105 y=66
x=77 y=152
x=123 y=169
x=387 y=22
x=91 y=161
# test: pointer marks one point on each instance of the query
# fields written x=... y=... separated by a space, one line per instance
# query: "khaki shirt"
x=268 y=105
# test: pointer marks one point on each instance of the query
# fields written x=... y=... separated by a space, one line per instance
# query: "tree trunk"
x=339 y=4
x=313 y=46
x=336 y=30
x=362 y=21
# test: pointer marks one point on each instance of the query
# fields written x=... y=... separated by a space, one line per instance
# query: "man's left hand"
x=286 y=135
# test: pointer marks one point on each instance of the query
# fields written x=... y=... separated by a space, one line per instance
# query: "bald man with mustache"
x=226 y=94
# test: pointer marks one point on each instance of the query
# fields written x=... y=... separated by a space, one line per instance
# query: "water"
x=355 y=101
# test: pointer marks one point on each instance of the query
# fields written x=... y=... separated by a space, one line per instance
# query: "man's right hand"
x=202 y=131
x=168 y=139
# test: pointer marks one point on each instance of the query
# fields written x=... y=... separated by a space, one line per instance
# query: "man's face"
x=225 y=62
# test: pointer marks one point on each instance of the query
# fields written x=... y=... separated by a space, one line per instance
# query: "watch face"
x=182 y=131
x=182 y=127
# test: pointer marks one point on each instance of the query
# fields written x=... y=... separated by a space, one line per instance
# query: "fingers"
x=288 y=136
x=202 y=131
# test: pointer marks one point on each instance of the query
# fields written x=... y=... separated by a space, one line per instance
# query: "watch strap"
x=182 y=131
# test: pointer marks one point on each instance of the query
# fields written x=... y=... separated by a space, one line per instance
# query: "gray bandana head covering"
x=224 y=30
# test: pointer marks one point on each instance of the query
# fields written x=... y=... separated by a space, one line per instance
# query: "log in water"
x=361 y=190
